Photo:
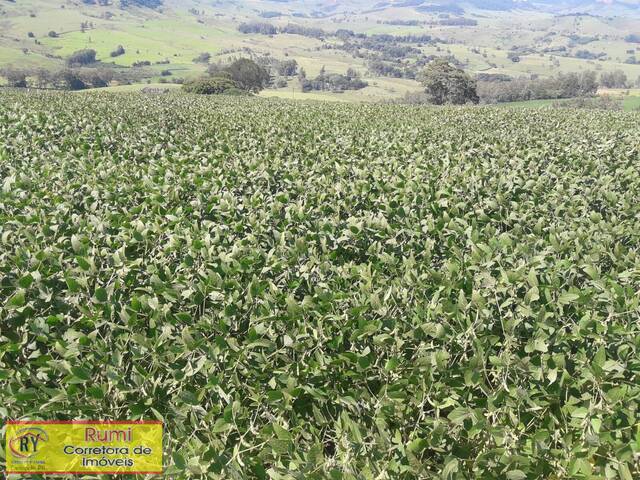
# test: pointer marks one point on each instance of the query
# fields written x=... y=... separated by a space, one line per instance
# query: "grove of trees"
x=86 y=56
x=15 y=78
x=202 y=58
x=258 y=27
x=332 y=81
x=64 y=79
x=615 y=79
x=563 y=85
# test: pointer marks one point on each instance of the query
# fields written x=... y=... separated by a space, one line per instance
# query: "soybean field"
x=326 y=291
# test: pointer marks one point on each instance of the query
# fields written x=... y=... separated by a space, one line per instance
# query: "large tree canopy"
x=240 y=75
x=444 y=83
x=248 y=75
x=82 y=57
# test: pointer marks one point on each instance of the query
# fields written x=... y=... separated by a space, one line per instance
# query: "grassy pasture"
x=146 y=41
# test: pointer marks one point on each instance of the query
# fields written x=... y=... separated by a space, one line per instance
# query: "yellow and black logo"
x=27 y=442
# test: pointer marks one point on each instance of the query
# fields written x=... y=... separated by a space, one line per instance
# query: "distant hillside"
x=599 y=7
x=386 y=43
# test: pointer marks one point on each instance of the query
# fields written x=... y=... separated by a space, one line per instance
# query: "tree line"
x=245 y=75
x=562 y=85
x=81 y=70
x=63 y=79
x=445 y=84
x=333 y=82
x=265 y=28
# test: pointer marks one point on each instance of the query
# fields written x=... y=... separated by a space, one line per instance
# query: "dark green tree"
x=446 y=84
x=15 y=78
x=68 y=79
x=615 y=79
x=82 y=57
x=118 y=51
x=202 y=58
x=248 y=75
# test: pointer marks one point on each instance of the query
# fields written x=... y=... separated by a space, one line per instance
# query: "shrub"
x=118 y=51
x=236 y=92
x=209 y=85
x=15 y=78
x=514 y=57
x=82 y=57
x=604 y=102
x=202 y=58
x=96 y=78
x=68 y=79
